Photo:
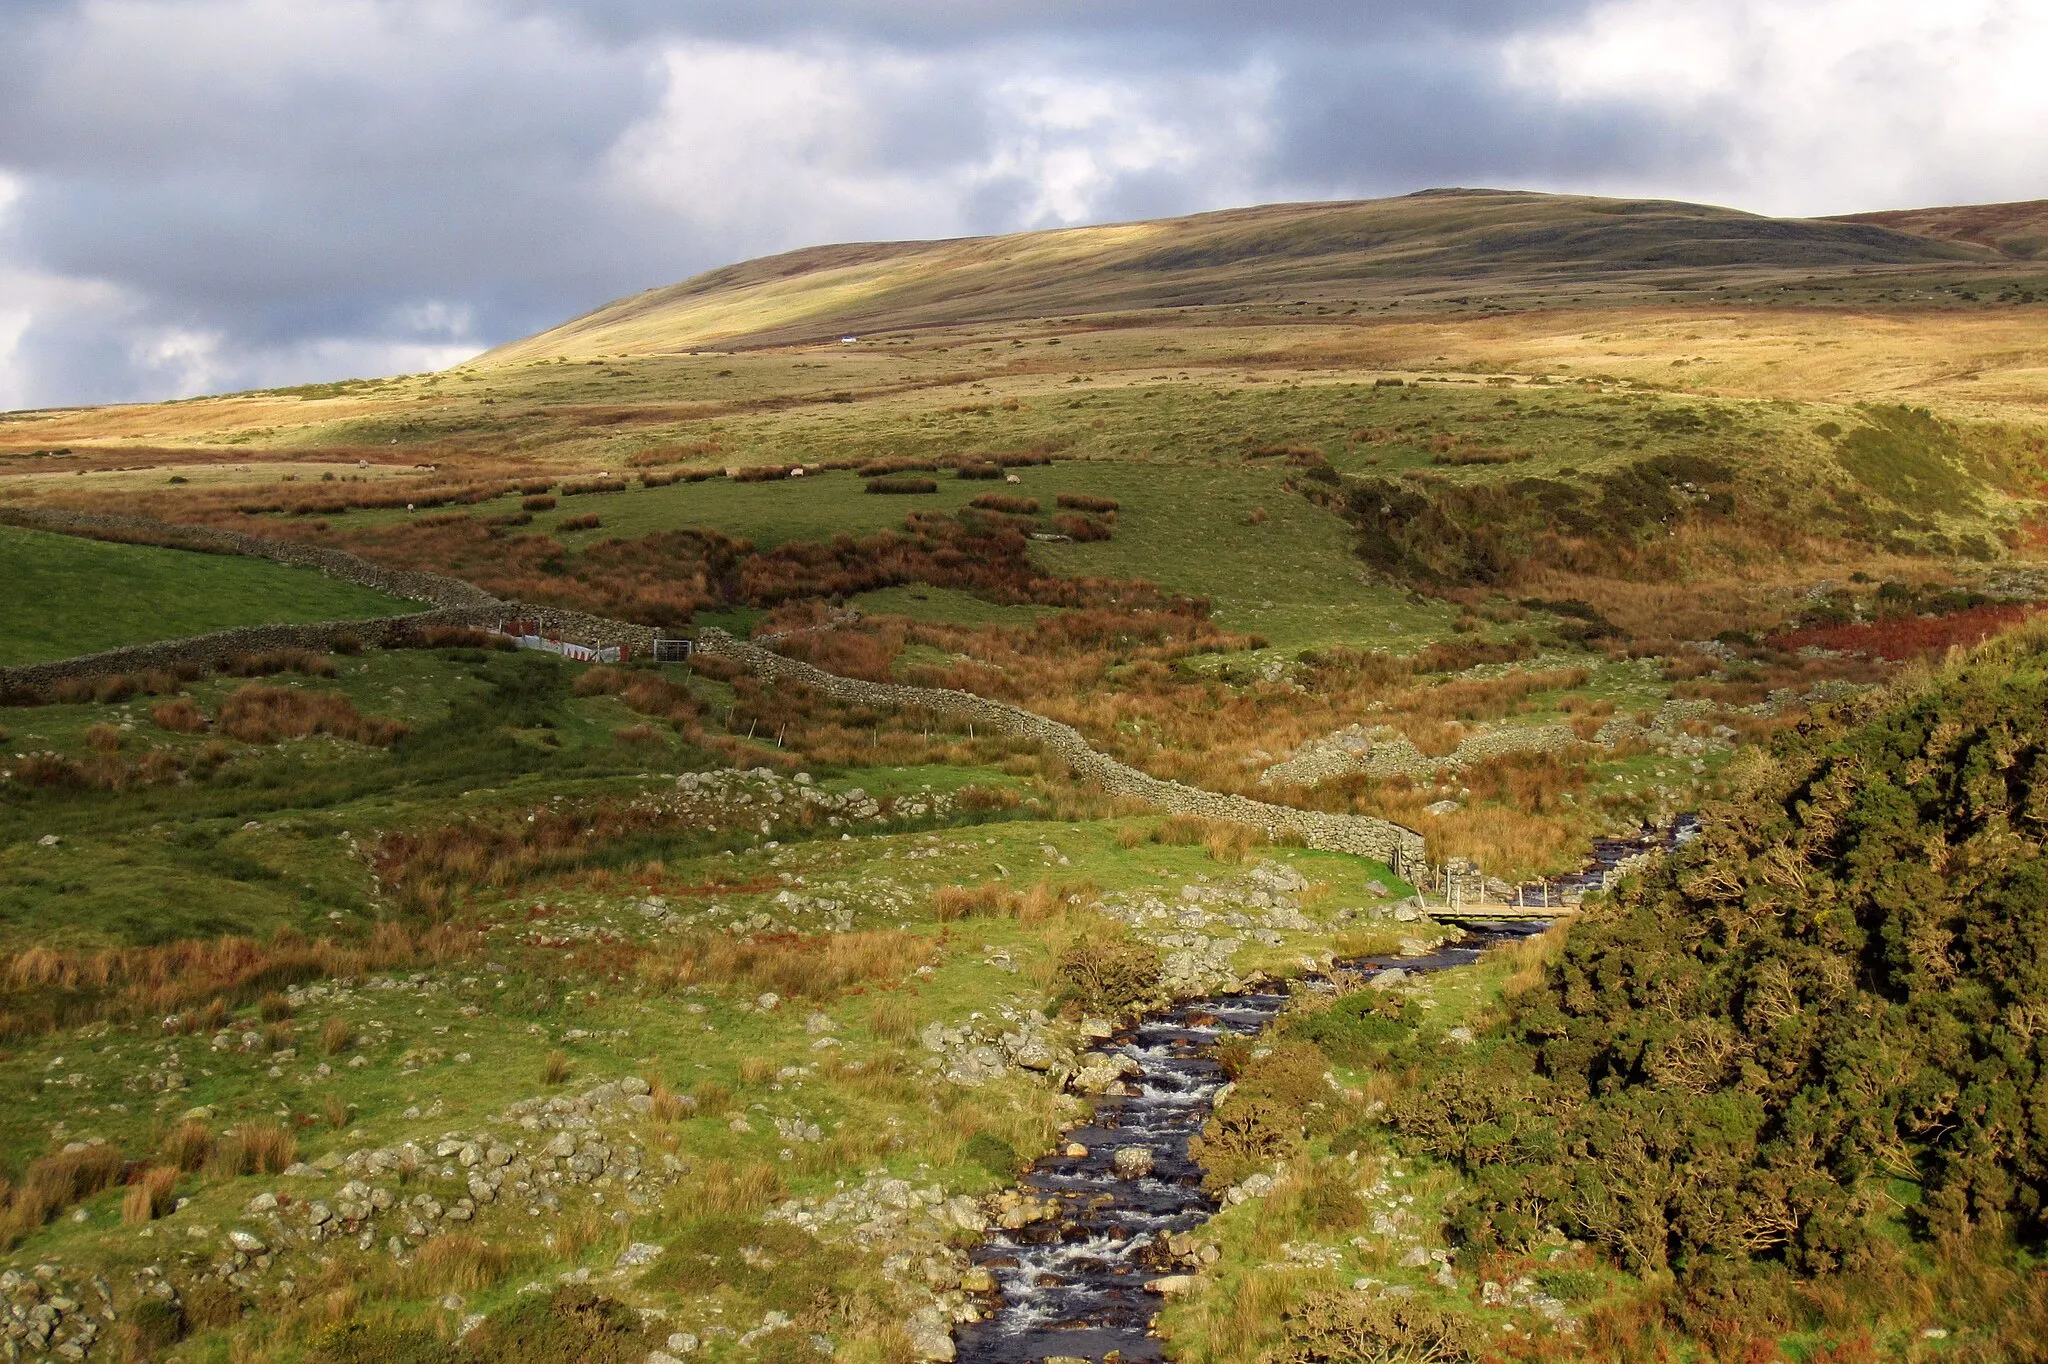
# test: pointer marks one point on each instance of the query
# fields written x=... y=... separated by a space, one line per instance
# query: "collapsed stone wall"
x=1399 y=847
x=1383 y=751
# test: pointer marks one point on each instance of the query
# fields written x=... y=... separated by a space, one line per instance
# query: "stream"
x=1074 y=1285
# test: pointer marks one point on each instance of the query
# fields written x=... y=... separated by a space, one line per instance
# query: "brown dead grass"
x=253 y=1148
x=45 y=988
x=53 y=1183
x=258 y=714
x=152 y=1194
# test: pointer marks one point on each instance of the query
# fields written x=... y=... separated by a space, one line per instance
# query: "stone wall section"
x=1399 y=847
x=457 y=603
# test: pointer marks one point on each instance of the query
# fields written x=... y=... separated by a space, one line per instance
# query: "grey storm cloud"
x=207 y=194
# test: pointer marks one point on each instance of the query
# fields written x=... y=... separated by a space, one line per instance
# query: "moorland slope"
x=1427 y=248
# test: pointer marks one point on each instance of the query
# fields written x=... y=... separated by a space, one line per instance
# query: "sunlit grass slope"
x=1374 y=252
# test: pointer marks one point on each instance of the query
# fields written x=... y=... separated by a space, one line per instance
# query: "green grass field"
x=66 y=595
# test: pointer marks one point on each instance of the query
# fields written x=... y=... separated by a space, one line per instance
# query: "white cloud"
x=1832 y=105
x=768 y=149
x=199 y=194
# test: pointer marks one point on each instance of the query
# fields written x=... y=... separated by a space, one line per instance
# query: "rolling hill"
x=2018 y=230
x=1429 y=248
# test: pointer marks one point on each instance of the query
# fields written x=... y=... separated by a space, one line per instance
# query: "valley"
x=381 y=990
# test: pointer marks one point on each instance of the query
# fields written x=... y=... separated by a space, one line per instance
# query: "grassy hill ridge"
x=1419 y=247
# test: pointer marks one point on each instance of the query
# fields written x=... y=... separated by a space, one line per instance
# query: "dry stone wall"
x=451 y=601
x=1399 y=847
x=459 y=603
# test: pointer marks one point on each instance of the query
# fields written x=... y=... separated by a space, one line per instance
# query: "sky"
x=209 y=195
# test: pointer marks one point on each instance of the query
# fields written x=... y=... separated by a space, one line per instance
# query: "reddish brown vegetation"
x=54 y=1183
x=179 y=716
x=257 y=714
x=1008 y=505
x=43 y=989
x=1909 y=636
x=1081 y=528
x=644 y=693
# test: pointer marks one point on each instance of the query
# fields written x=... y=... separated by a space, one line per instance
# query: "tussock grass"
x=817 y=968
x=257 y=714
x=337 y=1035
x=153 y=1194
x=725 y=1188
x=189 y=1145
x=45 y=988
x=893 y=1019
x=253 y=1148
x=53 y=1183
x=458 y=1262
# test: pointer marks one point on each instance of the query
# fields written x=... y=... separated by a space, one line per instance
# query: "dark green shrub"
x=158 y=1323
x=1358 y=1028
x=1244 y=1135
x=574 y=1323
x=993 y=1154
x=1727 y=1060
x=361 y=1342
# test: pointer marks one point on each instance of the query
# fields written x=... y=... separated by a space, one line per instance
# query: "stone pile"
x=981 y=1050
x=48 y=1314
x=913 y=1227
x=1200 y=931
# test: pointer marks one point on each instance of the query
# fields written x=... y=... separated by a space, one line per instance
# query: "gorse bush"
x=1840 y=983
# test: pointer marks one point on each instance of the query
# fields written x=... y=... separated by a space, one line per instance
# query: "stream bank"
x=1107 y=1214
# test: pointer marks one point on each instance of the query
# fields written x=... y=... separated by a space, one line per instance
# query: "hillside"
x=2018 y=230
x=1419 y=249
